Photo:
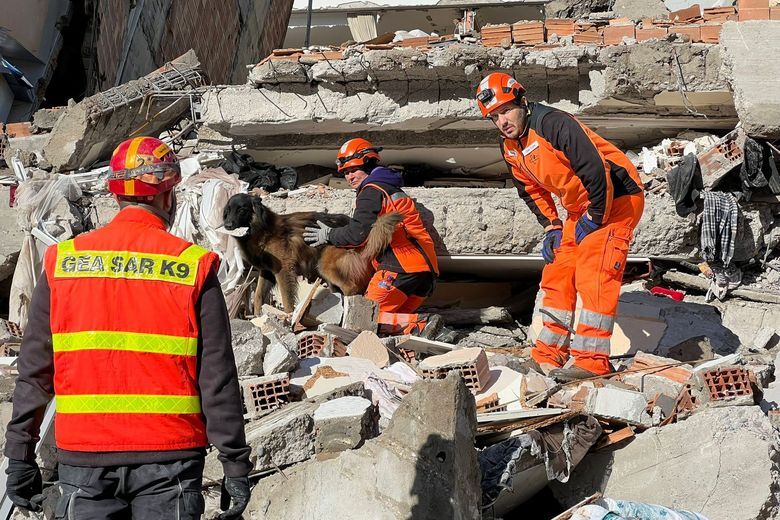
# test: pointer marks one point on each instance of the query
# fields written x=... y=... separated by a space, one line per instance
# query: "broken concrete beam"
x=360 y=313
x=344 y=424
x=700 y=464
x=471 y=221
x=249 y=347
x=281 y=354
x=89 y=130
x=618 y=404
x=423 y=466
x=283 y=437
x=750 y=67
x=368 y=346
x=471 y=363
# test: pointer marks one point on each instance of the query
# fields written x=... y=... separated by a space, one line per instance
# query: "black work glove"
x=24 y=484
x=235 y=489
x=551 y=243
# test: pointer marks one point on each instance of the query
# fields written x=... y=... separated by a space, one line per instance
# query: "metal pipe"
x=308 y=24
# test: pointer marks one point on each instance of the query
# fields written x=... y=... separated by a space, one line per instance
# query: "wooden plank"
x=423 y=346
x=614 y=438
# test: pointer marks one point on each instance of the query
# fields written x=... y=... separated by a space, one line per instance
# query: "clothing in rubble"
x=759 y=169
x=557 y=155
x=407 y=269
x=719 y=227
x=132 y=312
x=685 y=184
x=260 y=174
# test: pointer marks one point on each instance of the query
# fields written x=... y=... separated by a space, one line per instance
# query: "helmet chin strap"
x=168 y=217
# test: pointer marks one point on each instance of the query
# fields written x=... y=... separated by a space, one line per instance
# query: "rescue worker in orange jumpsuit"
x=549 y=152
x=408 y=268
x=128 y=329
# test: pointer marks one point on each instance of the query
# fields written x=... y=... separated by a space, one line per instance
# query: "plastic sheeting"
x=39 y=201
x=201 y=200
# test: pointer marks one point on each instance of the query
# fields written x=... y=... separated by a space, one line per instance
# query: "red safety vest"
x=125 y=337
x=411 y=244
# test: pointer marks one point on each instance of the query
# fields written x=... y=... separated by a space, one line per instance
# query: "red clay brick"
x=724 y=383
x=752 y=4
x=759 y=13
x=559 y=26
x=614 y=34
x=264 y=394
x=684 y=15
x=774 y=13
x=692 y=31
x=646 y=33
x=18 y=129
x=710 y=32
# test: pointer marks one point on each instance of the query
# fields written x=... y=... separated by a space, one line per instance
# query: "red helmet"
x=143 y=166
x=356 y=152
x=498 y=89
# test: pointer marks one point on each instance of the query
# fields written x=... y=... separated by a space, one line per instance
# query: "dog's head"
x=241 y=210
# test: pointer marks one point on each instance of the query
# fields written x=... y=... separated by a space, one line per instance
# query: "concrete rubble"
x=407 y=427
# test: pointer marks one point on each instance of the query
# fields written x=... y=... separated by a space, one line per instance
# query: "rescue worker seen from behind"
x=549 y=152
x=128 y=329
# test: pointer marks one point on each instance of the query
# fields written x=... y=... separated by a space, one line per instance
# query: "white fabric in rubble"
x=202 y=198
x=383 y=395
x=36 y=202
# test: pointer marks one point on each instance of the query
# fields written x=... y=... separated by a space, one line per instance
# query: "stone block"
x=249 y=347
x=281 y=354
x=368 y=346
x=720 y=462
x=424 y=465
x=326 y=307
x=344 y=424
x=360 y=313
x=651 y=385
x=622 y=405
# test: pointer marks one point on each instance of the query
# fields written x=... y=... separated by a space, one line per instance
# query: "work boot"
x=572 y=373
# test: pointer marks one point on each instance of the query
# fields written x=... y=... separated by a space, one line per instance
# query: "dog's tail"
x=381 y=234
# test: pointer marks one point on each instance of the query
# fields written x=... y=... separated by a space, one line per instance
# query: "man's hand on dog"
x=316 y=236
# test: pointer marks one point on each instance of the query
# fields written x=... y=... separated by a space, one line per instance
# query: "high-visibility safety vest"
x=411 y=248
x=125 y=337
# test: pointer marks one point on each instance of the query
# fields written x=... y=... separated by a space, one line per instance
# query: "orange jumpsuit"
x=560 y=156
x=407 y=269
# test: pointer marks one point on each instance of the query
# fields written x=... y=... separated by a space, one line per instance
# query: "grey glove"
x=235 y=490
x=24 y=484
x=317 y=236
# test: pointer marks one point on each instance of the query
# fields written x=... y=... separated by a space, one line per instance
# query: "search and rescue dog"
x=274 y=245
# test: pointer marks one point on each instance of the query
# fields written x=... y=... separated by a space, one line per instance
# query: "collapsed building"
x=689 y=419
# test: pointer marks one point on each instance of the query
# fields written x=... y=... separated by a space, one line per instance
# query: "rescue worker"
x=128 y=329
x=549 y=152
x=408 y=268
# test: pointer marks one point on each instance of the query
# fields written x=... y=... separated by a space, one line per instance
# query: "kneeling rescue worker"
x=549 y=152
x=128 y=329
x=408 y=268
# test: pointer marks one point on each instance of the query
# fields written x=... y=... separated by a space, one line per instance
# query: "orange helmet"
x=497 y=89
x=356 y=152
x=143 y=166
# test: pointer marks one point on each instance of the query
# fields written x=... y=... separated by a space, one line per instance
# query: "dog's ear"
x=260 y=212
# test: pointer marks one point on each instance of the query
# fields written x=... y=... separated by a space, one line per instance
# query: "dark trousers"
x=144 y=492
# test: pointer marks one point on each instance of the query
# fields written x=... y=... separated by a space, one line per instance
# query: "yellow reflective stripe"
x=181 y=269
x=132 y=153
x=130 y=341
x=117 y=403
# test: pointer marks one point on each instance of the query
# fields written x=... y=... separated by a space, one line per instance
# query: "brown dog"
x=274 y=244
